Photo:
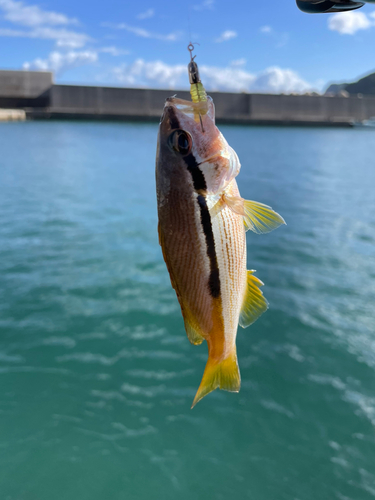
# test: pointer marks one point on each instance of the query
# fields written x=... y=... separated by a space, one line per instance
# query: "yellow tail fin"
x=223 y=374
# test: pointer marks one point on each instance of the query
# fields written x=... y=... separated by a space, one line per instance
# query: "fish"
x=202 y=232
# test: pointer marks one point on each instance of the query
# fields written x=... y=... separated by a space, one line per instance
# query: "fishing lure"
x=197 y=91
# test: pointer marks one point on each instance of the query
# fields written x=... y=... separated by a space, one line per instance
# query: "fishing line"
x=197 y=91
x=189 y=24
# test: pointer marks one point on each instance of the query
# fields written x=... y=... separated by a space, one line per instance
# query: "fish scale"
x=231 y=251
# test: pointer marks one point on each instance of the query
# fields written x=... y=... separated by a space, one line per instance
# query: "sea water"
x=96 y=373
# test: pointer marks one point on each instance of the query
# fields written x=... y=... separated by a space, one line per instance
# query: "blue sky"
x=264 y=46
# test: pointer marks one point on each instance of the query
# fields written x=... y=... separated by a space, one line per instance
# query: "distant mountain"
x=365 y=85
x=336 y=88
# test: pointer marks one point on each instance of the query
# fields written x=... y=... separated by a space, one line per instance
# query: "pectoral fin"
x=261 y=218
x=258 y=217
x=254 y=304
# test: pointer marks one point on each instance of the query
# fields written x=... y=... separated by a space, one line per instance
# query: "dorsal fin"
x=254 y=304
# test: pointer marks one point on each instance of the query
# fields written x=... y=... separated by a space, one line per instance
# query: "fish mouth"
x=174 y=111
x=189 y=107
x=169 y=120
x=174 y=105
x=177 y=110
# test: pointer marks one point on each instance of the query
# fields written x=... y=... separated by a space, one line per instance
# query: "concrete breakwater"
x=41 y=99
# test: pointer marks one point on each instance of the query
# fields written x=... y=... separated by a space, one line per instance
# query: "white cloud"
x=114 y=51
x=41 y=24
x=206 y=4
x=348 y=23
x=63 y=37
x=171 y=37
x=147 y=14
x=236 y=79
x=147 y=74
x=232 y=78
x=265 y=29
x=59 y=62
x=277 y=80
x=32 y=15
x=226 y=35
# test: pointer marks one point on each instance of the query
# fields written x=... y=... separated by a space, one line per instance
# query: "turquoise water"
x=96 y=373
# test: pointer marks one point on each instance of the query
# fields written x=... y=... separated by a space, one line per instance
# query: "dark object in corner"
x=319 y=6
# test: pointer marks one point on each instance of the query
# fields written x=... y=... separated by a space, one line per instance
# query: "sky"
x=253 y=46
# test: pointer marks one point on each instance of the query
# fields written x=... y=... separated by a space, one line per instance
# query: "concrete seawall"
x=84 y=102
x=19 y=89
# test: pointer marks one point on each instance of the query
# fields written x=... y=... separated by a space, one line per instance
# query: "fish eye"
x=181 y=142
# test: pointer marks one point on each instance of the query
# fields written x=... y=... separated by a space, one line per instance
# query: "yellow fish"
x=202 y=224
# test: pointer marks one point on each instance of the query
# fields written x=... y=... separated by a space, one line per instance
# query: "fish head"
x=189 y=138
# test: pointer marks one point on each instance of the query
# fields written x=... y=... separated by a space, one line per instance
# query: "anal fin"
x=254 y=304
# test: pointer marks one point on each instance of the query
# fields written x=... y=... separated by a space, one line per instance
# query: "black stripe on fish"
x=198 y=178
x=191 y=163
x=200 y=186
x=173 y=120
x=174 y=123
x=214 y=279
